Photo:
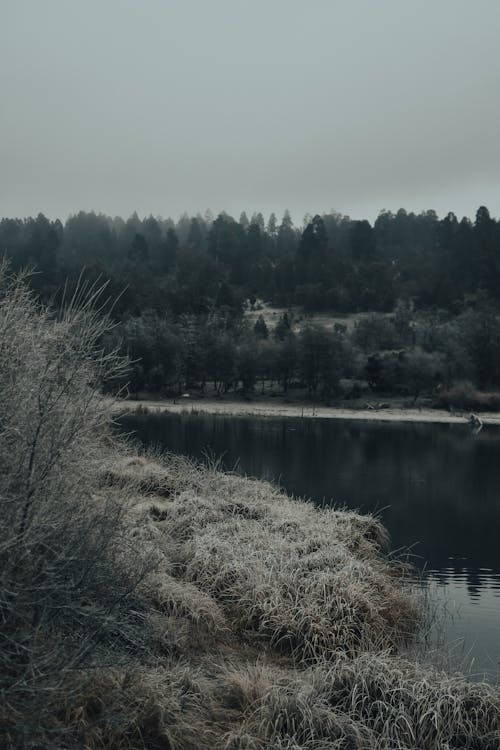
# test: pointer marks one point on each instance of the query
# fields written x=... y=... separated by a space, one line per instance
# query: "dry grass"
x=372 y=701
x=311 y=581
x=146 y=602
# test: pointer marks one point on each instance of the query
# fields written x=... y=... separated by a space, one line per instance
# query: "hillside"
x=334 y=309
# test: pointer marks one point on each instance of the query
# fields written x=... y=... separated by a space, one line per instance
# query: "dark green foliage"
x=481 y=335
x=362 y=239
x=283 y=327
x=139 y=249
x=323 y=359
x=225 y=297
x=246 y=366
x=374 y=333
x=260 y=328
x=171 y=246
x=332 y=264
x=430 y=283
x=285 y=360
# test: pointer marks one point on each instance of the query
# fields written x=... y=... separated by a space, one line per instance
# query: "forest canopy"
x=180 y=291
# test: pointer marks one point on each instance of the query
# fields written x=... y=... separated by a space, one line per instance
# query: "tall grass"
x=147 y=602
x=374 y=701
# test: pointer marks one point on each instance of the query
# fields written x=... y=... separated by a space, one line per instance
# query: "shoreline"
x=308 y=411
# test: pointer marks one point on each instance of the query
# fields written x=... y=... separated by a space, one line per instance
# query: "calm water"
x=435 y=487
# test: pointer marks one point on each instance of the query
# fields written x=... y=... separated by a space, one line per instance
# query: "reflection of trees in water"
x=475 y=579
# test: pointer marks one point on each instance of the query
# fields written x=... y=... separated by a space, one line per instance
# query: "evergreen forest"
x=413 y=300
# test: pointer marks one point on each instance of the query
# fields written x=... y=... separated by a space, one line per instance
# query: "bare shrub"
x=69 y=578
x=135 y=708
x=468 y=397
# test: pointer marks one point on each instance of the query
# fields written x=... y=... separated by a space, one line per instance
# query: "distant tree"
x=139 y=248
x=226 y=241
x=182 y=229
x=373 y=286
x=246 y=366
x=487 y=250
x=255 y=243
x=310 y=296
x=260 y=328
x=194 y=351
x=421 y=371
x=265 y=356
x=88 y=239
x=285 y=360
x=42 y=240
x=170 y=249
x=375 y=333
x=362 y=241
x=152 y=231
x=403 y=323
x=226 y=297
x=384 y=371
x=480 y=329
x=283 y=281
x=283 y=327
x=195 y=236
x=258 y=220
x=272 y=225
x=320 y=355
x=374 y=371
x=287 y=239
x=311 y=252
x=209 y=218
x=225 y=360
x=314 y=241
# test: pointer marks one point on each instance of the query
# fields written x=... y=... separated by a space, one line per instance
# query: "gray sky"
x=165 y=106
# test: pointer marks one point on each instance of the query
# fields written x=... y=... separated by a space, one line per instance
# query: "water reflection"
x=435 y=488
x=471 y=601
x=475 y=580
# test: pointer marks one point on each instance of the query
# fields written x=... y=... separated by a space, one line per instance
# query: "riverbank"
x=256 y=621
x=269 y=408
x=279 y=625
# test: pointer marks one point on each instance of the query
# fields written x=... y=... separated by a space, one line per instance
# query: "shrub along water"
x=147 y=602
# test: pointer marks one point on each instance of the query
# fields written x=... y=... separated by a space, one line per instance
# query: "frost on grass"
x=146 y=602
x=310 y=581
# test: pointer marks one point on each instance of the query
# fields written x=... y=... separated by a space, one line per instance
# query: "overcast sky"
x=165 y=106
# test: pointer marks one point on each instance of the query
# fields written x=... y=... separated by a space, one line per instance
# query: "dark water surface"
x=434 y=486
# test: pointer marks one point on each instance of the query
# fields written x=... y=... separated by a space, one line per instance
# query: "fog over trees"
x=182 y=290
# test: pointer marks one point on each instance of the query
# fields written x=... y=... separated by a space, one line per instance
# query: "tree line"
x=181 y=290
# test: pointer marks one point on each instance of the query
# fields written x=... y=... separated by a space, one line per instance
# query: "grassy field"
x=299 y=319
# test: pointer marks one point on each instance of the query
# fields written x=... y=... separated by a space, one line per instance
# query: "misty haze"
x=250 y=375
